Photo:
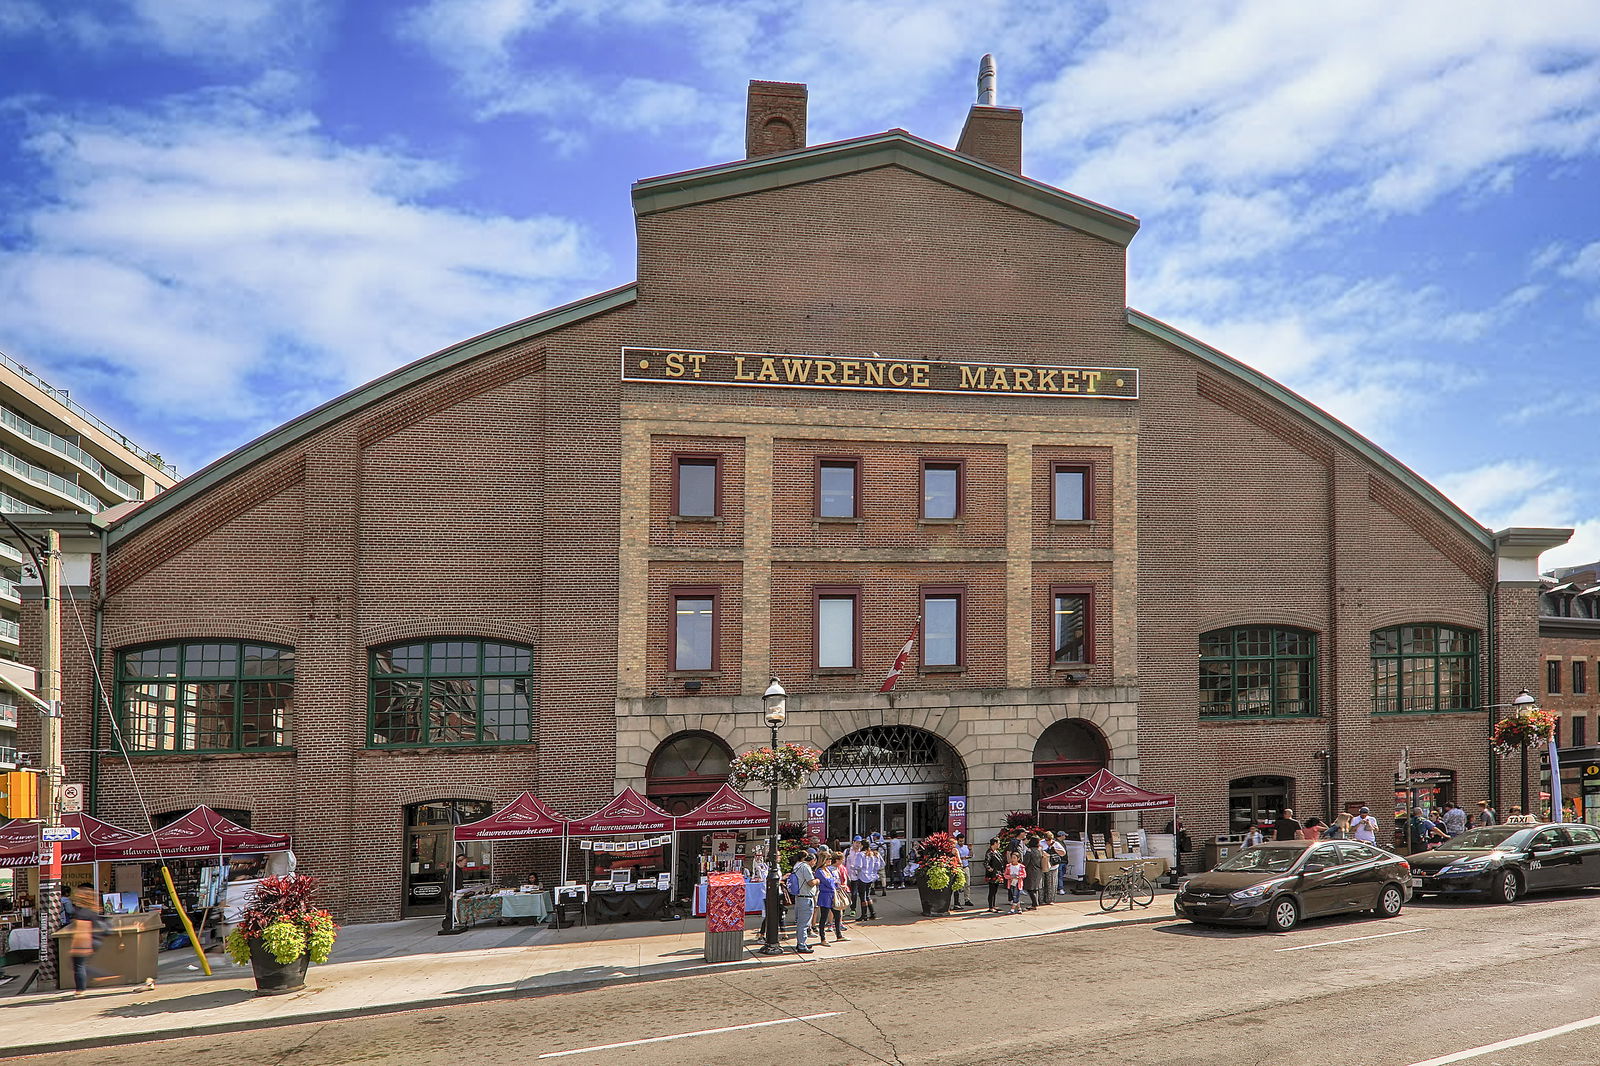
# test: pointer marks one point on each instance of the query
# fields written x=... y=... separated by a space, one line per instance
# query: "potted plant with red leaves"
x=280 y=932
x=940 y=873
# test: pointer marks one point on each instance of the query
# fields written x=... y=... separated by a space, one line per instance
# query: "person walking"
x=1484 y=815
x=871 y=873
x=1015 y=873
x=830 y=889
x=803 y=888
x=85 y=915
x=1364 y=826
x=1286 y=827
x=994 y=871
x=897 y=860
x=1454 y=821
x=1059 y=849
x=965 y=853
x=1312 y=830
x=1340 y=829
x=1034 y=865
x=1047 y=874
x=1254 y=836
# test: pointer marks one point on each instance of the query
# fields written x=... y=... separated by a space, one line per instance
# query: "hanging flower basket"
x=785 y=766
x=1522 y=729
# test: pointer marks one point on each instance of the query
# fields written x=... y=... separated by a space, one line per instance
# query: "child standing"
x=1015 y=874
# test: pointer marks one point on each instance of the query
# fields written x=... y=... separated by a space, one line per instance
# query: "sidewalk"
x=394 y=966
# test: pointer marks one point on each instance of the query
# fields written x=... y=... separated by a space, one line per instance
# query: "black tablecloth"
x=616 y=906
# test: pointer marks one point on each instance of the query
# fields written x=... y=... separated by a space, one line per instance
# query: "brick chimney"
x=992 y=134
x=775 y=120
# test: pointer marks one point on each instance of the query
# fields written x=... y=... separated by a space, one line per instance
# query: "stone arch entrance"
x=888 y=779
x=1066 y=753
x=686 y=769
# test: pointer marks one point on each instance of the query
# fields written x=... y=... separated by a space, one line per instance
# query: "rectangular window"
x=1552 y=677
x=836 y=487
x=1070 y=634
x=941 y=489
x=1579 y=731
x=694 y=630
x=838 y=635
x=1580 y=677
x=695 y=481
x=942 y=627
x=1069 y=492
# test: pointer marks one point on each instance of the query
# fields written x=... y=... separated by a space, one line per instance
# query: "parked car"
x=1503 y=862
x=1279 y=883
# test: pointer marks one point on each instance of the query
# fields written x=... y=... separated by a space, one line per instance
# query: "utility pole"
x=50 y=750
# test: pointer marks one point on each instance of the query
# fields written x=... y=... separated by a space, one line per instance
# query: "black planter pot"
x=935 y=901
x=274 y=978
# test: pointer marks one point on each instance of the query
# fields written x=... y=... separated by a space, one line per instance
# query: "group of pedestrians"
x=1421 y=831
x=1025 y=864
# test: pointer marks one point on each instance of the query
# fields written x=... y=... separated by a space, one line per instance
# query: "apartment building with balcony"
x=55 y=457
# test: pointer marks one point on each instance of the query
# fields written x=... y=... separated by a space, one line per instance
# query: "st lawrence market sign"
x=876 y=373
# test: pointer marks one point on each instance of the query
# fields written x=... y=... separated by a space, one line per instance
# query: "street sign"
x=60 y=832
x=71 y=799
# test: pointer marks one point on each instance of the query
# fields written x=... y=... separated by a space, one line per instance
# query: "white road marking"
x=1352 y=940
x=1516 y=1041
x=685 y=1036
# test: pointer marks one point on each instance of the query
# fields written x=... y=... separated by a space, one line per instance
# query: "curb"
x=372 y=1010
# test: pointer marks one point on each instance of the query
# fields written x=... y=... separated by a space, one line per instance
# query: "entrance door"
x=429 y=856
x=862 y=818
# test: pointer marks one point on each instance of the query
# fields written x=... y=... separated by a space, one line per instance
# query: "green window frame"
x=1424 y=669
x=450 y=692
x=1258 y=672
x=205 y=696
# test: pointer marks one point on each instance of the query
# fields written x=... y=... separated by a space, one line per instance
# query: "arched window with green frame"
x=450 y=691
x=1419 y=669
x=1258 y=672
x=211 y=695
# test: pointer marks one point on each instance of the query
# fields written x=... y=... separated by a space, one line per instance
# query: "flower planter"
x=274 y=978
x=935 y=901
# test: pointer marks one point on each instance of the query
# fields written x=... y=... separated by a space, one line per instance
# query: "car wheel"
x=1285 y=915
x=1507 y=887
x=1390 y=902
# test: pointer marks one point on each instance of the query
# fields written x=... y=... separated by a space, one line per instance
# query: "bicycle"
x=1131 y=885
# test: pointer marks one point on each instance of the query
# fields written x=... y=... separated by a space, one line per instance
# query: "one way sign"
x=60 y=833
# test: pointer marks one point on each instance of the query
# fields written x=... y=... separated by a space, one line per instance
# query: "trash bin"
x=126 y=955
x=1221 y=848
x=724 y=917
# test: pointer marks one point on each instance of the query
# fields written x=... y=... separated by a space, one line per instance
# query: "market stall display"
x=1106 y=793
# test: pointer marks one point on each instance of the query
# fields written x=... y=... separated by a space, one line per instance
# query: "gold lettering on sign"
x=947 y=376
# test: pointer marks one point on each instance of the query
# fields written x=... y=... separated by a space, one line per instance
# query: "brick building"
x=855 y=385
x=1569 y=644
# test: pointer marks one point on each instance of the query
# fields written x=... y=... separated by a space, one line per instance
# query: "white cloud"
x=211 y=32
x=201 y=251
x=1530 y=492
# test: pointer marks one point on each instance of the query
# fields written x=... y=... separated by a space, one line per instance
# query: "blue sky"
x=216 y=215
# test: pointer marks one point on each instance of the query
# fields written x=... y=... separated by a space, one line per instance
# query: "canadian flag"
x=901 y=659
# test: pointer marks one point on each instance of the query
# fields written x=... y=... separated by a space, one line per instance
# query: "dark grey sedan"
x=1502 y=862
x=1280 y=883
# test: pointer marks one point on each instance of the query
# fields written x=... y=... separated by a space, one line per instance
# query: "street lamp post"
x=775 y=699
x=1525 y=701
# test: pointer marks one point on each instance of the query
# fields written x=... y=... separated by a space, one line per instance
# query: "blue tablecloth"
x=500 y=906
x=755 y=898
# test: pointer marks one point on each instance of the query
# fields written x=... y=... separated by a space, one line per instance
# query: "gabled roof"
x=1310 y=411
x=893 y=148
x=297 y=429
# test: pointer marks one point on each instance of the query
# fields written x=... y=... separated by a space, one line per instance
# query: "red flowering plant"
x=1023 y=820
x=1522 y=729
x=281 y=917
x=785 y=766
x=941 y=865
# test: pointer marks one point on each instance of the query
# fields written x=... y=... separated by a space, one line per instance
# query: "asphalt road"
x=1441 y=979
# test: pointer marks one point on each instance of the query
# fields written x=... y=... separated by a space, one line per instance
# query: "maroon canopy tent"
x=201 y=832
x=524 y=818
x=19 y=841
x=726 y=809
x=1104 y=792
x=628 y=813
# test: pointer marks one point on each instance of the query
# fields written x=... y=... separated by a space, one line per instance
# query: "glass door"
x=429 y=856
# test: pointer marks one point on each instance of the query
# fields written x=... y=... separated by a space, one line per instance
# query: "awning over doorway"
x=1104 y=793
x=201 y=832
x=524 y=818
x=628 y=813
x=19 y=841
x=726 y=809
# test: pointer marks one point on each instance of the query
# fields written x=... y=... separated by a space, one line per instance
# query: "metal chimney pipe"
x=986 y=81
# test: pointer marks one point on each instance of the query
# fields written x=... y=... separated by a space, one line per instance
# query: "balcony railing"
x=12 y=591
x=68 y=450
x=12 y=505
x=8 y=757
x=40 y=476
x=60 y=396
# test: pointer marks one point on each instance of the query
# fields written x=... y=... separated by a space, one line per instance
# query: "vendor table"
x=755 y=898
x=1099 y=871
x=502 y=906
x=621 y=906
